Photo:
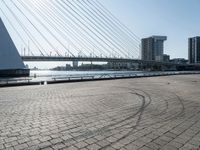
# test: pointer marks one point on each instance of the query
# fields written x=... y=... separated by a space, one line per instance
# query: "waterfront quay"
x=127 y=114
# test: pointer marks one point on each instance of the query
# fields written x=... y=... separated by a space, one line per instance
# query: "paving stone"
x=48 y=148
x=165 y=138
x=171 y=135
x=44 y=139
x=58 y=146
x=117 y=145
x=145 y=148
x=10 y=144
x=7 y=140
x=103 y=143
x=93 y=147
x=33 y=142
x=109 y=148
x=189 y=147
x=35 y=147
x=122 y=148
x=131 y=146
x=81 y=144
x=111 y=139
x=139 y=143
x=69 y=143
x=160 y=142
x=44 y=144
x=169 y=147
x=91 y=141
x=55 y=141
x=2 y=146
x=152 y=136
x=10 y=148
x=153 y=146
x=181 y=140
x=23 y=140
x=175 y=144
x=71 y=148
x=21 y=146
x=194 y=142
x=83 y=149
x=103 y=115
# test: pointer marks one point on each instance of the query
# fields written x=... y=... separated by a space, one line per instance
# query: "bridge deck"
x=98 y=59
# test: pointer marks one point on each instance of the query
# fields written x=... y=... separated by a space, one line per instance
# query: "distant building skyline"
x=152 y=48
x=194 y=49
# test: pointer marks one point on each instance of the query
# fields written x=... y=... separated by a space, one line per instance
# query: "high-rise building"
x=194 y=49
x=153 y=48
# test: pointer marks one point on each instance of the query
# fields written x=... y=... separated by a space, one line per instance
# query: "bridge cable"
x=114 y=25
x=114 y=22
x=110 y=24
x=49 y=31
x=115 y=19
x=74 y=29
x=60 y=22
x=98 y=20
x=85 y=25
x=25 y=29
x=51 y=23
x=64 y=18
x=75 y=19
x=107 y=39
x=101 y=31
x=37 y=28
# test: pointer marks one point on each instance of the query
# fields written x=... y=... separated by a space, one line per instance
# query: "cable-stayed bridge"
x=70 y=30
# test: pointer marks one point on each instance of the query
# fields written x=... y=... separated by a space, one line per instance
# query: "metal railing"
x=88 y=77
x=120 y=75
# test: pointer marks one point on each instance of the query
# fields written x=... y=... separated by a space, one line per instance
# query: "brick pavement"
x=145 y=114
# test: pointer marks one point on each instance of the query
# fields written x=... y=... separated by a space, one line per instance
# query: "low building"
x=75 y=64
x=163 y=58
x=166 y=58
x=179 y=61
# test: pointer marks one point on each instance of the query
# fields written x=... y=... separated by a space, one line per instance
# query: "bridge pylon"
x=11 y=64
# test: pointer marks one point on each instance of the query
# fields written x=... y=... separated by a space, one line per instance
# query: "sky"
x=176 y=19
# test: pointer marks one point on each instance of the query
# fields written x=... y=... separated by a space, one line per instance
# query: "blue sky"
x=177 y=19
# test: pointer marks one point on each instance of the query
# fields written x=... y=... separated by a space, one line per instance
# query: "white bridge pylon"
x=9 y=56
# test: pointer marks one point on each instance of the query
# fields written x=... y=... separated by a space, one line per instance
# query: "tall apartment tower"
x=194 y=49
x=153 y=48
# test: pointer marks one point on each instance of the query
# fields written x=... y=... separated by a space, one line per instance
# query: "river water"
x=68 y=73
x=42 y=75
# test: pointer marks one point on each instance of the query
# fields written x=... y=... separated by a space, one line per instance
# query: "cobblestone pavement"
x=145 y=113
